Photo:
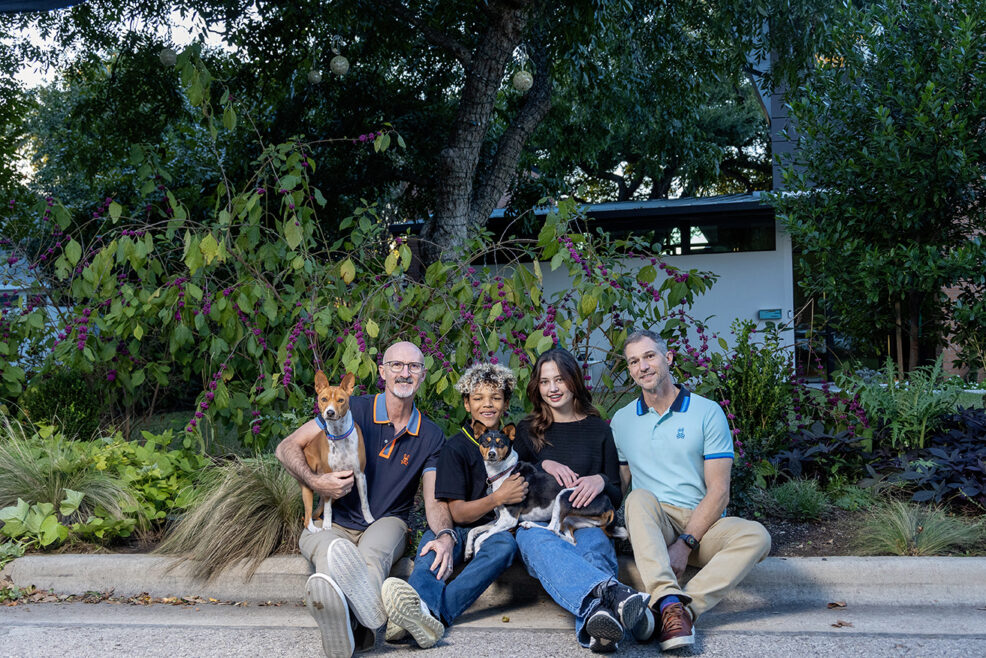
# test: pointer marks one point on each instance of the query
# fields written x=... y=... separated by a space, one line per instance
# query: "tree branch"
x=432 y=35
x=503 y=168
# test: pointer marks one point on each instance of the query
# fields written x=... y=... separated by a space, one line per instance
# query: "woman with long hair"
x=566 y=437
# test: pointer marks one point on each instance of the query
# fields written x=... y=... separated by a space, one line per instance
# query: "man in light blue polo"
x=676 y=450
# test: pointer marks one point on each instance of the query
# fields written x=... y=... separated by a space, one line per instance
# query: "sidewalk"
x=775 y=581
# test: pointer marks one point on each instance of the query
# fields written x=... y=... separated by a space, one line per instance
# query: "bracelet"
x=451 y=533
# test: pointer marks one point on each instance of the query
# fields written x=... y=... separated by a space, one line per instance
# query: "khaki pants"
x=727 y=553
x=381 y=544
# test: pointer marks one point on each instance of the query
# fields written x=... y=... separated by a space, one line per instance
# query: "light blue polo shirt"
x=667 y=452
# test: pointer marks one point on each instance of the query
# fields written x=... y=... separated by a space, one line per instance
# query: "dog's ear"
x=511 y=431
x=320 y=380
x=348 y=383
x=477 y=429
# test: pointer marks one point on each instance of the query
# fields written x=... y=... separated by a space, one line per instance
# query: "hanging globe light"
x=168 y=56
x=339 y=65
x=523 y=81
x=314 y=76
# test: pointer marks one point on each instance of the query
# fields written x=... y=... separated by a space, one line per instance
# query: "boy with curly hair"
x=428 y=602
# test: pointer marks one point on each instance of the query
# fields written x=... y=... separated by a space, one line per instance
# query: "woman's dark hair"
x=540 y=418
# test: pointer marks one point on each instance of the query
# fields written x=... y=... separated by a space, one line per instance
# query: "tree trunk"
x=914 y=303
x=463 y=202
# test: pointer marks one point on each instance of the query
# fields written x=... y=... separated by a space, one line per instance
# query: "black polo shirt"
x=394 y=464
x=461 y=473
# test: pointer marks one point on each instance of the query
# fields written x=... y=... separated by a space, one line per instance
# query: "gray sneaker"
x=408 y=611
x=328 y=606
x=349 y=571
x=643 y=630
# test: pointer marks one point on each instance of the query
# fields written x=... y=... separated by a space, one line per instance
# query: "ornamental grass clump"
x=245 y=509
x=905 y=529
x=800 y=500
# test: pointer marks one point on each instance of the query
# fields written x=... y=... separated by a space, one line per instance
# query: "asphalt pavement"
x=786 y=607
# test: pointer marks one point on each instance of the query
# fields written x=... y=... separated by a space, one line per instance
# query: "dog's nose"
x=330 y=413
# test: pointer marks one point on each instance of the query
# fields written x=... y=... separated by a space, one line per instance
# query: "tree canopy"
x=440 y=72
x=887 y=197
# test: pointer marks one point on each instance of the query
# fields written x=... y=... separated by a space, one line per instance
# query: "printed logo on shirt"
x=680 y=434
x=405 y=459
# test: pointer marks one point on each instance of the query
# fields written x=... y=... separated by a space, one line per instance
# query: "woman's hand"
x=565 y=476
x=586 y=490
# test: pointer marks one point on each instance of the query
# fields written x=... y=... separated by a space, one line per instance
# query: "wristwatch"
x=451 y=533
x=690 y=541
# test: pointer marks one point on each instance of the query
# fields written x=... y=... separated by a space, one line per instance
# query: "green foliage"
x=54 y=490
x=67 y=399
x=9 y=551
x=905 y=529
x=756 y=388
x=244 y=303
x=848 y=496
x=908 y=411
x=242 y=510
x=801 y=500
x=889 y=181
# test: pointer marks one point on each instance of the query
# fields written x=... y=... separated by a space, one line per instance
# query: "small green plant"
x=67 y=399
x=244 y=510
x=38 y=525
x=908 y=411
x=800 y=500
x=849 y=497
x=906 y=529
x=9 y=551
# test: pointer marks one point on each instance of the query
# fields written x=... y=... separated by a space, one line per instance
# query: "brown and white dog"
x=546 y=500
x=339 y=448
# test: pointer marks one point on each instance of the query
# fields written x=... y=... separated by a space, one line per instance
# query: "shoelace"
x=674 y=620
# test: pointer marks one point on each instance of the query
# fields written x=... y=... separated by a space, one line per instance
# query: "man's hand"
x=334 y=485
x=565 y=476
x=586 y=490
x=513 y=490
x=442 y=566
x=679 y=552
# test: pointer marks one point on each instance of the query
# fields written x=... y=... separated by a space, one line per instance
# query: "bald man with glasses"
x=352 y=559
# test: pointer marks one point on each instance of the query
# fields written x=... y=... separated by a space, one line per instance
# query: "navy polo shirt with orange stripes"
x=394 y=463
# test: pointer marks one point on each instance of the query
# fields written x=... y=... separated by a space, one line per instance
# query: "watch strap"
x=689 y=540
x=450 y=532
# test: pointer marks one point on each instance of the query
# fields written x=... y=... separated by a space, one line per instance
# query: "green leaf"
x=495 y=313
x=292 y=232
x=372 y=329
x=391 y=263
x=229 y=118
x=544 y=344
x=138 y=332
x=71 y=503
x=348 y=271
x=115 y=211
x=209 y=248
x=400 y=141
x=73 y=252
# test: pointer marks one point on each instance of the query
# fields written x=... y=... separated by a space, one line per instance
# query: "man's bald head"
x=402 y=383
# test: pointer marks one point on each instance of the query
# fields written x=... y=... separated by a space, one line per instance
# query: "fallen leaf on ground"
x=841 y=624
x=505 y=619
x=837 y=604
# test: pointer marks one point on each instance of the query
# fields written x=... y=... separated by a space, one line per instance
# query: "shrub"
x=65 y=398
x=953 y=466
x=816 y=454
x=797 y=499
x=244 y=510
x=904 y=529
x=907 y=411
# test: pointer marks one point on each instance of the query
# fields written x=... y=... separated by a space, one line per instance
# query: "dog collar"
x=333 y=437
x=490 y=481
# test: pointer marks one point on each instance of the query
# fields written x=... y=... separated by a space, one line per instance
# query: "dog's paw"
x=314 y=528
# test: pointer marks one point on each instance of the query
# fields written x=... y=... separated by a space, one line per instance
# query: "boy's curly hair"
x=487 y=374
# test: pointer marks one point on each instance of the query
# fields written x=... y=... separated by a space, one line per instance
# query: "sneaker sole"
x=604 y=627
x=394 y=633
x=676 y=642
x=349 y=570
x=632 y=609
x=327 y=605
x=403 y=605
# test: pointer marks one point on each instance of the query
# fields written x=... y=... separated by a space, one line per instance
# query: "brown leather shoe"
x=676 y=627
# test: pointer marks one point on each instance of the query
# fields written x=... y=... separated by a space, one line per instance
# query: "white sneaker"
x=328 y=606
x=407 y=610
x=349 y=570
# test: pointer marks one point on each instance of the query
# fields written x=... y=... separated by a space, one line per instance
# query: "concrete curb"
x=776 y=581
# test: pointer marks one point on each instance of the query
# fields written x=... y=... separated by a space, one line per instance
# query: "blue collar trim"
x=680 y=404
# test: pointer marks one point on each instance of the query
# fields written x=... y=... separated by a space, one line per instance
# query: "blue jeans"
x=570 y=573
x=448 y=600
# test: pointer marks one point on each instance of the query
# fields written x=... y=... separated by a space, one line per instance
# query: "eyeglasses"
x=415 y=367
